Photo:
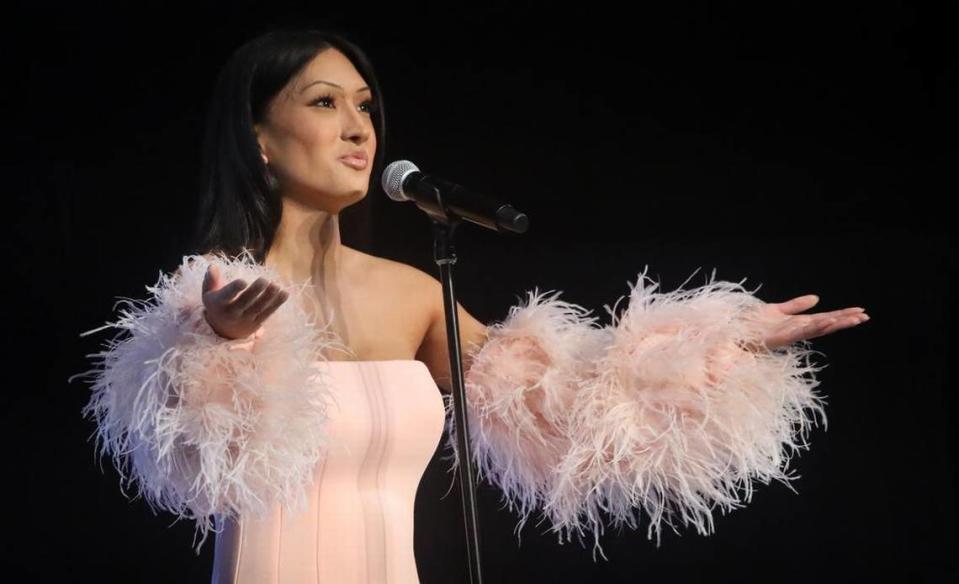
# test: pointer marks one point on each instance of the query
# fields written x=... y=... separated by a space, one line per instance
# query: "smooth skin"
x=236 y=311
x=792 y=327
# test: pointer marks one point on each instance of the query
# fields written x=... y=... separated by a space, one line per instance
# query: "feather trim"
x=677 y=415
x=520 y=385
x=664 y=410
x=202 y=425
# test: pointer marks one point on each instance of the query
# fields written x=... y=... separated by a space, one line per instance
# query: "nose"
x=357 y=128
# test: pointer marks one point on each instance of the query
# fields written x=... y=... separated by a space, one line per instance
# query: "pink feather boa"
x=662 y=411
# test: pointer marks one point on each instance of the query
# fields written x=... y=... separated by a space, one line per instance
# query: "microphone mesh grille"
x=393 y=176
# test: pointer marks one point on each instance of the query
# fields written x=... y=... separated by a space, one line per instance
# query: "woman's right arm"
x=202 y=424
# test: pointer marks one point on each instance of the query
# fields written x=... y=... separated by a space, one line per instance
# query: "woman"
x=283 y=386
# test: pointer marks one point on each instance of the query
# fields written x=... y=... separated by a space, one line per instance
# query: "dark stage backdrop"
x=809 y=148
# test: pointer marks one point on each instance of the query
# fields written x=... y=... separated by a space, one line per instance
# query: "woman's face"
x=320 y=116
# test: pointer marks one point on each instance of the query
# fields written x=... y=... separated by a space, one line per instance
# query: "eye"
x=370 y=104
x=321 y=99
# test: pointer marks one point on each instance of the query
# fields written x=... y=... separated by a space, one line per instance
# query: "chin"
x=352 y=197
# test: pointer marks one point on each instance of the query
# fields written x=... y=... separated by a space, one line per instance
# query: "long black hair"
x=238 y=209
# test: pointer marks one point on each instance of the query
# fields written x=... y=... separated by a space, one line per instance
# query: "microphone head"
x=392 y=179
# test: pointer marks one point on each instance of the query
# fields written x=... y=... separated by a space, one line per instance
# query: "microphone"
x=439 y=198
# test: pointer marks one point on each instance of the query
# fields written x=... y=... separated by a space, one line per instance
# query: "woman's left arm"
x=685 y=395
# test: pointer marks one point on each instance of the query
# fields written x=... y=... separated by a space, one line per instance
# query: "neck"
x=307 y=245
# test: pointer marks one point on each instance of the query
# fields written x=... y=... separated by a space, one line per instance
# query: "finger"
x=798 y=304
x=262 y=301
x=835 y=325
x=817 y=324
x=210 y=278
x=848 y=322
x=854 y=313
x=274 y=304
x=849 y=315
x=845 y=312
x=832 y=325
x=243 y=302
x=808 y=330
x=227 y=293
x=827 y=326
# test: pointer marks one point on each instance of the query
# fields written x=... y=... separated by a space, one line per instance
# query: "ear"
x=261 y=140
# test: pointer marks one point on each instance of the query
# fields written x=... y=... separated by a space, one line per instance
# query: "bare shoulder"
x=397 y=272
x=399 y=276
x=403 y=294
x=413 y=291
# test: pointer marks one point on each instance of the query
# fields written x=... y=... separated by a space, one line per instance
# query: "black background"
x=806 y=147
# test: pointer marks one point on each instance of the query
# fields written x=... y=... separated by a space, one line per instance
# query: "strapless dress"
x=385 y=424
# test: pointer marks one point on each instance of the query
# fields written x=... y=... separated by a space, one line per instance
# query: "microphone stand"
x=448 y=205
x=444 y=254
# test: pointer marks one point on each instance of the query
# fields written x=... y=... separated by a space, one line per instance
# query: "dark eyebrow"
x=365 y=88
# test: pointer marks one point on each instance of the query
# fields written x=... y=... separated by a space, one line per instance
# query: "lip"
x=356 y=160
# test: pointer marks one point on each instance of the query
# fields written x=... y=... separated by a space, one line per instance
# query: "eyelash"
x=369 y=102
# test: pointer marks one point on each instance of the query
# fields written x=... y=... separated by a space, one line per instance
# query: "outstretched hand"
x=236 y=310
x=787 y=326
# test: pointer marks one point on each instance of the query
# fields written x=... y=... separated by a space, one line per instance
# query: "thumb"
x=799 y=304
x=211 y=278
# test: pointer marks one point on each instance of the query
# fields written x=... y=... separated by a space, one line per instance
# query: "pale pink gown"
x=384 y=426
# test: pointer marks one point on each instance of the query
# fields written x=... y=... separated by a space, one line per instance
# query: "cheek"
x=314 y=139
x=308 y=150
